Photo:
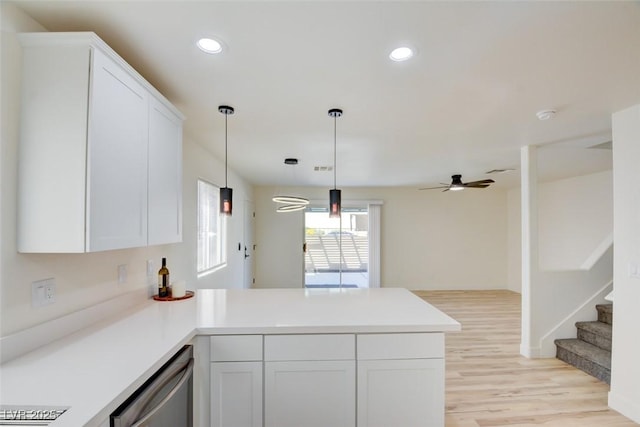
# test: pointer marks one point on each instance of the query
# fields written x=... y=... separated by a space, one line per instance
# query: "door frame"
x=248 y=237
x=374 y=209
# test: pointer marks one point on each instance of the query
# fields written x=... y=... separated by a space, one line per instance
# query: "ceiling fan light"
x=456 y=188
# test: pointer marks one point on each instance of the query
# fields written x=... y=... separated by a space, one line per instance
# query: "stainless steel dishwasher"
x=165 y=400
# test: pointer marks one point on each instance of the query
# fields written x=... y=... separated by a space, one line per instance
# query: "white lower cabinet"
x=407 y=393
x=310 y=393
x=236 y=394
x=401 y=380
x=328 y=380
x=310 y=380
x=236 y=381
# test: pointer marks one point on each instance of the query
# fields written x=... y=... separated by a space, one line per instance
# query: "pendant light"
x=226 y=193
x=290 y=203
x=334 y=194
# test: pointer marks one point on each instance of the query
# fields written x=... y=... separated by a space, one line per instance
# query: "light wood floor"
x=488 y=383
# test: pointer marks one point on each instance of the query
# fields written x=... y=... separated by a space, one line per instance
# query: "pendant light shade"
x=334 y=203
x=335 y=199
x=226 y=200
x=226 y=193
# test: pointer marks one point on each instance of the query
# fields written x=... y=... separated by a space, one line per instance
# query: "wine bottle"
x=163 y=280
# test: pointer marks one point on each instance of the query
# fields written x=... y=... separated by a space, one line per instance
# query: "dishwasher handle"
x=185 y=377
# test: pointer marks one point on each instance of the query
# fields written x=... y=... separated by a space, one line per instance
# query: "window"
x=211 y=229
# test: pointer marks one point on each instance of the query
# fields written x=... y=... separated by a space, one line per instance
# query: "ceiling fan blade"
x=446 y=189
x=484 y=181
x=434 y=188
x=476 y=186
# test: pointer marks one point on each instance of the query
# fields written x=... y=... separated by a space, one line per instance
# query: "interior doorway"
x=336 y=249
x=249 y=265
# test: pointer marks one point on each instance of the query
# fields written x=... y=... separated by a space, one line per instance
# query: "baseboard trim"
x=624 y=406
x=529 y=352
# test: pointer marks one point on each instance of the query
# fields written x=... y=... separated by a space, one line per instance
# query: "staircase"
x=591 y=351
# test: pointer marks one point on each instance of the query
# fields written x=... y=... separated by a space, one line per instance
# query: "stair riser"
x=605 y=314
x=597 y=340
x=593 y=369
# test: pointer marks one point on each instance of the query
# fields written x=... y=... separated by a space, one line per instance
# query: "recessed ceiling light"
x=209 y=45
x=401 y=54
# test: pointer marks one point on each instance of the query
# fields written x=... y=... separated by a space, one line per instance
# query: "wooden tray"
x=188 y=294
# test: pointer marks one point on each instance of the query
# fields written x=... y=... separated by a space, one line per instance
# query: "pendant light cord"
x=334 y=151
x=225 y=149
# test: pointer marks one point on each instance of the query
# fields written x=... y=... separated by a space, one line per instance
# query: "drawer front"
x=401 y=346
x=236 y=348
x=309 y=347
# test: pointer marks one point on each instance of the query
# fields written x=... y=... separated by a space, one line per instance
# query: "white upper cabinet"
x=117 y=158
x=165 y=175
x=100 y=159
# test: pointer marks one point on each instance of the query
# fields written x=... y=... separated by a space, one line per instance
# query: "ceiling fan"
x=457 y=184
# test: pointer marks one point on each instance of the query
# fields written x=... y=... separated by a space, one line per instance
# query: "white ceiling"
x=464 y=104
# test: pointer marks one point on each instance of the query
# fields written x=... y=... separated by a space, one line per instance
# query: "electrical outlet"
x=43 y=292
x=122 y=273
x=150 y=268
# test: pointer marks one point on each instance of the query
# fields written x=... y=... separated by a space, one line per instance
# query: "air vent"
x=323 y=168
x=495 y=171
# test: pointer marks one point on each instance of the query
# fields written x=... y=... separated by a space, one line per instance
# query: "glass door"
x=336 y=249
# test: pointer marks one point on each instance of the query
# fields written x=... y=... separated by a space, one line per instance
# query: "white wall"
x=430 y=239
x=83 y=280
x=553 y=299
x=576 y=217
x=625 y=369
x=575 y=222
x=514 y=245
x=279 y=238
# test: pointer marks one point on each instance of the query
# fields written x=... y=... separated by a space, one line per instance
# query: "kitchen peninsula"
x=276 y=357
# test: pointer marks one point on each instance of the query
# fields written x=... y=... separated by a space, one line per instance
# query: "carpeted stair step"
x=593 y=360
x=596 y=333
x=605 y=313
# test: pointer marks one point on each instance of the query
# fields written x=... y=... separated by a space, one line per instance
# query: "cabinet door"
x=117 y=158
x=236 y=394
x=310 y=394
x=407 y=393
x=165 y=175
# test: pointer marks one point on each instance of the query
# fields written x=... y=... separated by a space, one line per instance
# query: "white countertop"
x=304 y=311
x=94 y=370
